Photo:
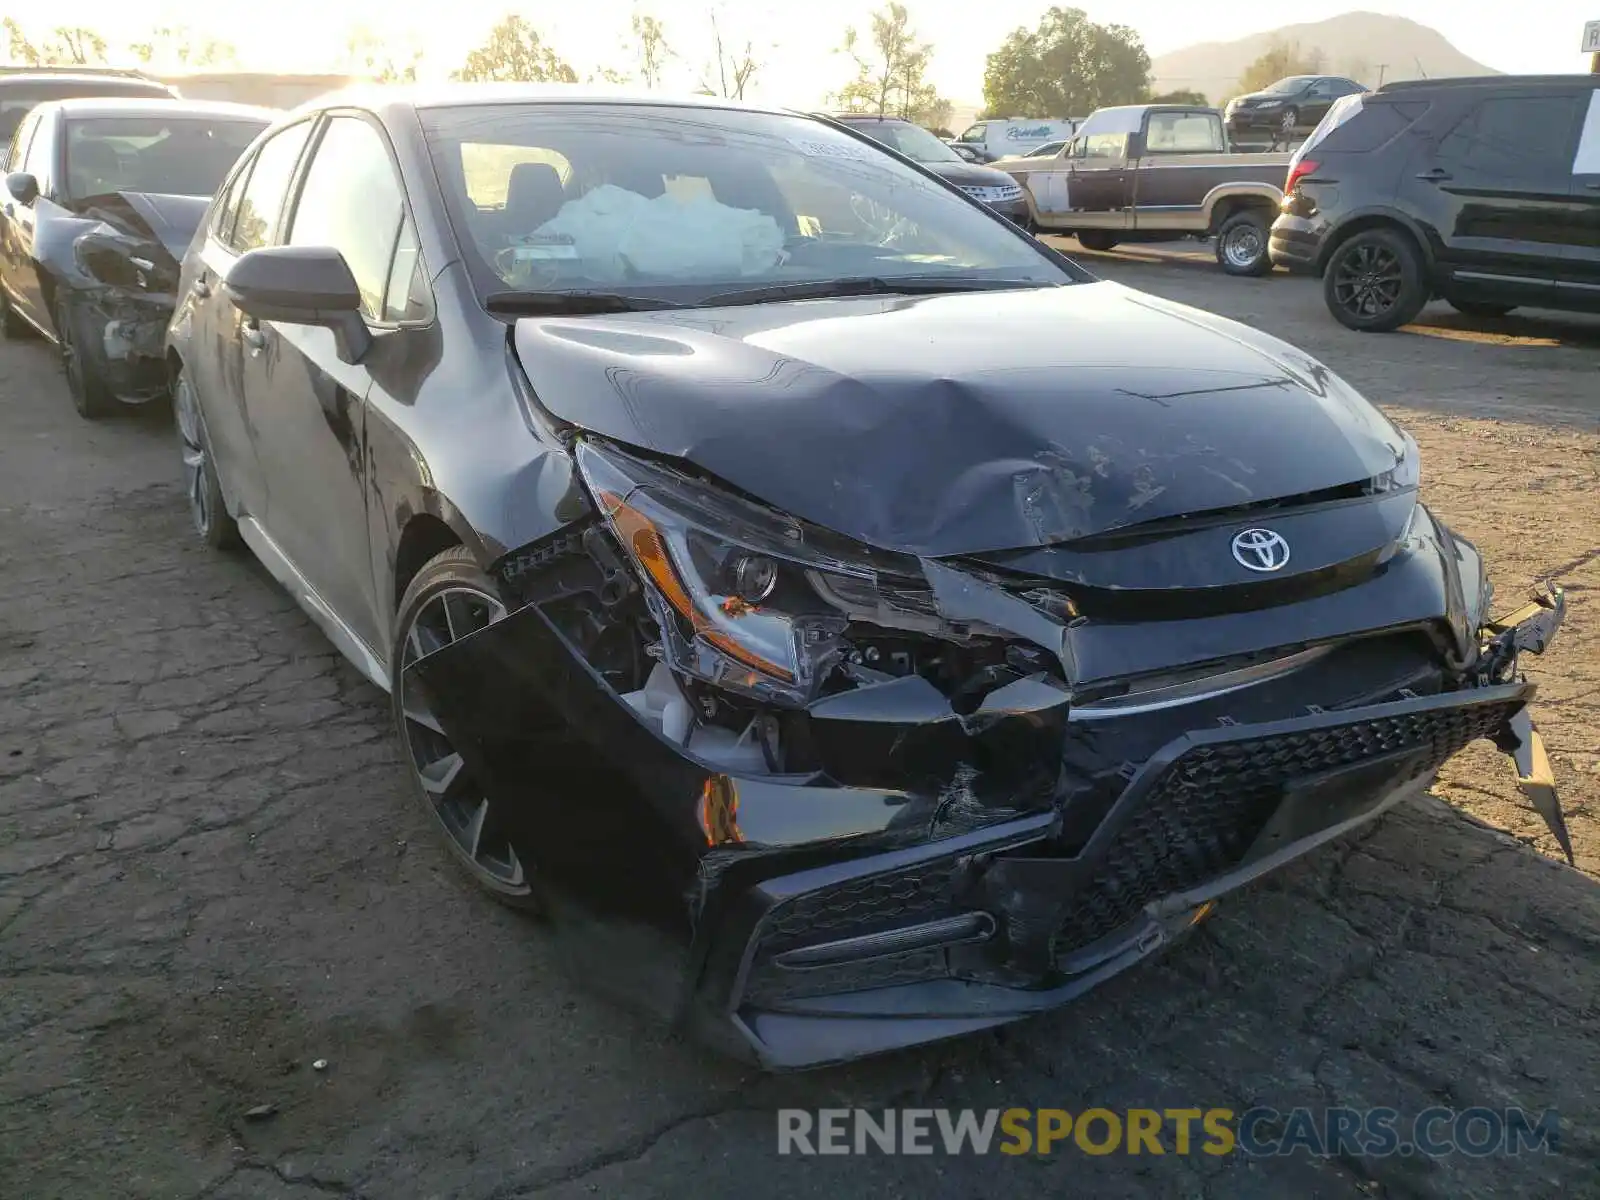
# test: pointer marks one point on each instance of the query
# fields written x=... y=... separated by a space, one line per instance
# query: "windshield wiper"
x=899 y=285
x=518 y=304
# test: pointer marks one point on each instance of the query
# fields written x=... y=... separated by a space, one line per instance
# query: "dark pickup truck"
x=1156 y=172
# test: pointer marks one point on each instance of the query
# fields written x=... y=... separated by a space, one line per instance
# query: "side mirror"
x=301 y=285
x=24 y=188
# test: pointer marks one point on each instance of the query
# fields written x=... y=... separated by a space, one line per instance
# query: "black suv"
x=1485 y=192
x=23 y=87
x=1295 y=102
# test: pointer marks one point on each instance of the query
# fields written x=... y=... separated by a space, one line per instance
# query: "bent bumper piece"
x=817 y=921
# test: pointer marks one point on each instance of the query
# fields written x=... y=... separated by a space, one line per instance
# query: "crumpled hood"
x=170 y=220
x=954 y=424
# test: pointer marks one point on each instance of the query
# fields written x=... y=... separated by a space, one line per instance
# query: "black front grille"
x=1209 y=805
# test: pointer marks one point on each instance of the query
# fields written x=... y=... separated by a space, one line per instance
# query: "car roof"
x=1491 y=81
x=154 y=106
x=377 y=97
x=12 y=78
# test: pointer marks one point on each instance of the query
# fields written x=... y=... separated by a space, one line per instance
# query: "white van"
x=1014 y=136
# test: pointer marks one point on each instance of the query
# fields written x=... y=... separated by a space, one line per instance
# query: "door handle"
x=201 y=288
x=253 y=337
x=1434 y=174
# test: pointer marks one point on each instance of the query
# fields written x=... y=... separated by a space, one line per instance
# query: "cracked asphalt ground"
x=211 y=875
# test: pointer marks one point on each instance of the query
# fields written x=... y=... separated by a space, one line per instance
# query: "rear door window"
x=1371 y=125
x=1183 y=133
x=1586 y=160
x=1513 y=137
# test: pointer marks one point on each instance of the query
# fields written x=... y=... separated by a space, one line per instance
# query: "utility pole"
x=1382 y=67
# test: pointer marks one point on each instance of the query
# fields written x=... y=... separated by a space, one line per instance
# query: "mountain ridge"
x=1362 y=45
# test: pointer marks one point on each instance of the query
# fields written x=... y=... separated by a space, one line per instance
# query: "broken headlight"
x=744 y=596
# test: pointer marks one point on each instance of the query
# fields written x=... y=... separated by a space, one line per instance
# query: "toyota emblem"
x=1260 y=549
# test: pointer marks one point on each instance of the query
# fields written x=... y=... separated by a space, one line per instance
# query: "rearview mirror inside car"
x=301 y=285
x=24 y=188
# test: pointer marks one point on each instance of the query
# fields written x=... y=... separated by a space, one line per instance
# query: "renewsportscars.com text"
x=1258 y=1132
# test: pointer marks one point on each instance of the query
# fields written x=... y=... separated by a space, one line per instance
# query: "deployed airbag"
x=617 y=233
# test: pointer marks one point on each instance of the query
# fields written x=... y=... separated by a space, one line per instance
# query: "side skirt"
x=286 y=573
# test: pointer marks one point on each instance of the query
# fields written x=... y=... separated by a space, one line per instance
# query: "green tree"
x=374 y=57
x=19 y=48
x=1181 y=96
x=514 y=52
x=730 y=71
x=1067 y=67
x=1281 y=59
x=176 y=47
x=68 y=45
x=890 y=71
x=650 y=39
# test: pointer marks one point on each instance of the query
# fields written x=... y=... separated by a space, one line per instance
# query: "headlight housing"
x=747 y=598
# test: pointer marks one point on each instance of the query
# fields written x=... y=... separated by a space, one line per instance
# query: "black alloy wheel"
x=448 y=599
x=201 y=486
x=1374 y=282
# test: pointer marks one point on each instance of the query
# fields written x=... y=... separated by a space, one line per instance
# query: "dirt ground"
x=211 y=876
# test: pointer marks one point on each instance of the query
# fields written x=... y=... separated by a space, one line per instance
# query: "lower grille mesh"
x=1209 y=806
x=1196 y=821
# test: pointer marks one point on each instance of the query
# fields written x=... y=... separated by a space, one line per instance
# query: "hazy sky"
x=798 y=39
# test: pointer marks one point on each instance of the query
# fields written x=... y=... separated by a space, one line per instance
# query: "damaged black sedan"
x=101 y=203
x=850 y=621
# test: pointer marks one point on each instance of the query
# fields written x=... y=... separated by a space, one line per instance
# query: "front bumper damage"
x=943 y=872
x=122 y=333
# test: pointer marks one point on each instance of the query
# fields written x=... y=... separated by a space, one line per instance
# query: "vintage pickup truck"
x=1156 y=172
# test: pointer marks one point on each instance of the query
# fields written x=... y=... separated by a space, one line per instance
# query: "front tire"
x=1475 y=308
x=1242 y=244
x=1374 y=282
x=11 y=323
x=90 y=394
x=201 y=483
x=1289 y=122
x=448 y=599
x=1096 y=239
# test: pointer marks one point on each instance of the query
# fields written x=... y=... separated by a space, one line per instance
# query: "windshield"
x=1048 y=150
x=1292 y=84
x=682 y=203
x=184 y=156
x=913 y=141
